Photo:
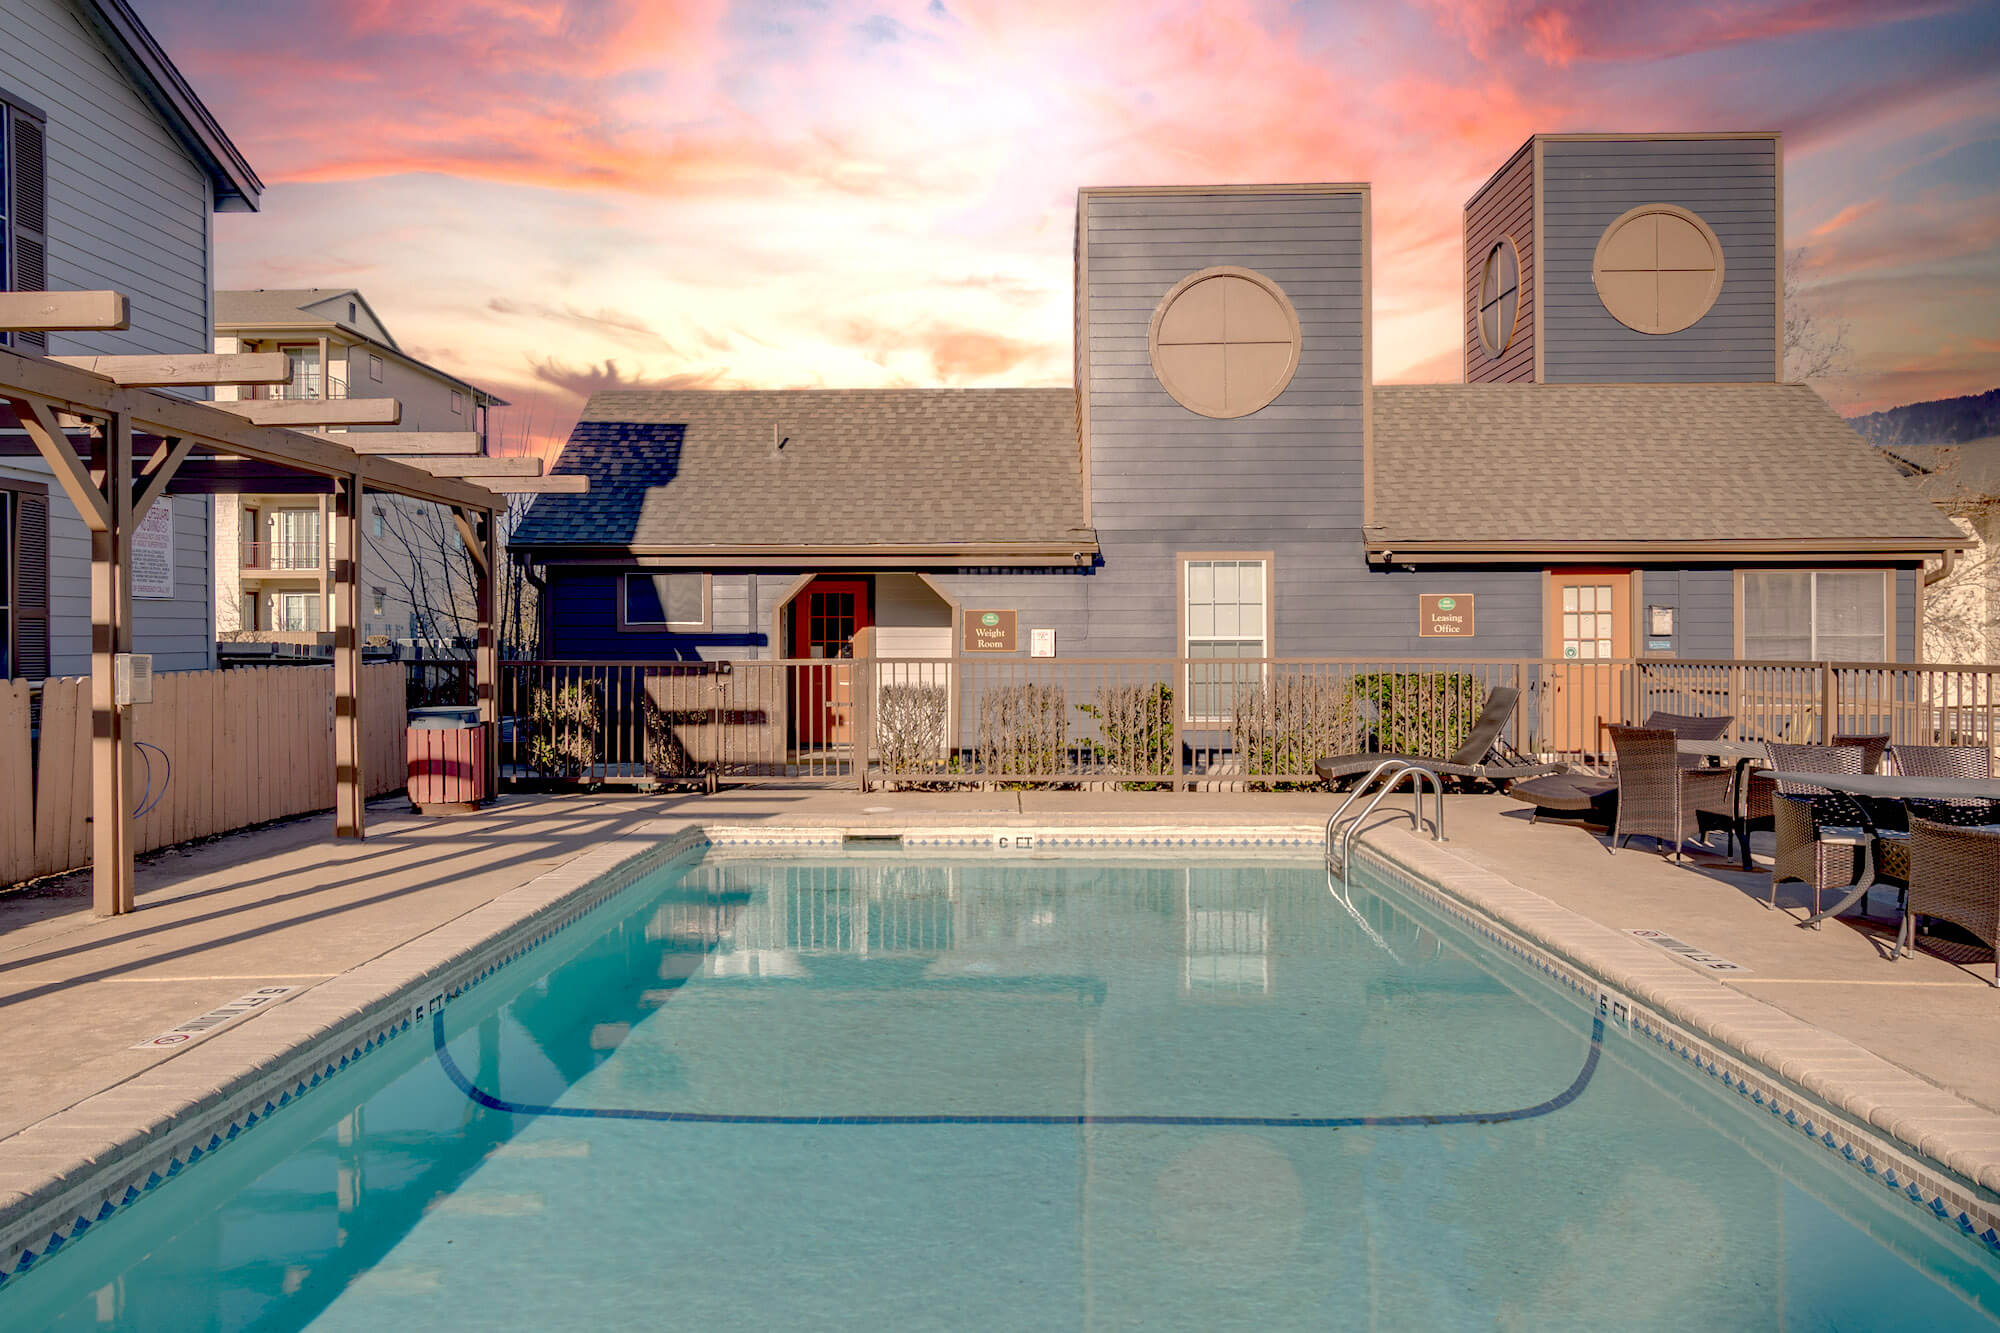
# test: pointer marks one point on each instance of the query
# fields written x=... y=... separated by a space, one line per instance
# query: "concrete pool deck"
x=285 y=905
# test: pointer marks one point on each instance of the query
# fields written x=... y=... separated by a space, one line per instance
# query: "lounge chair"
x=1484 y=756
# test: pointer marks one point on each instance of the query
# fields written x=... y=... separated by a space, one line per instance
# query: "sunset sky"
x=552 y=198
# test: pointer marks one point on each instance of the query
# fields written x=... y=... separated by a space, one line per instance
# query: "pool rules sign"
x=1444 y=615
x=991 y=632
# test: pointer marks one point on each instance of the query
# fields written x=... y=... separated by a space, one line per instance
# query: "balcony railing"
x=285 y=556
x=309 y=389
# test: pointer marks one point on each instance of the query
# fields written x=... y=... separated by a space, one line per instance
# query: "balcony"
x=281 y=557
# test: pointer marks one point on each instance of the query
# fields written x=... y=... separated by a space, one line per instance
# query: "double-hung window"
x=1226 y=609
x=1816 y=615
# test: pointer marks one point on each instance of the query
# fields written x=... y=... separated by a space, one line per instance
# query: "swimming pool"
x=907 y=1090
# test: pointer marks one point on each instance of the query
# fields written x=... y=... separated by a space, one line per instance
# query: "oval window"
x=1499 y=297
x=1224 y=342
x=1658 y=269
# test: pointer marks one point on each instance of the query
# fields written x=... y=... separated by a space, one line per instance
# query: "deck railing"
x=1172 y=722
x=281 y=555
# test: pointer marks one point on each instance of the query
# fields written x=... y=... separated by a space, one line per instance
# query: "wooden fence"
x=218 y=750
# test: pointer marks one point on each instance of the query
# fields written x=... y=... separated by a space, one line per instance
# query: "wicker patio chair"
x=1873 y=746
x=1955 y=876
x=1801 y=815
x=1688 y=727
x=1657 y=798
x=1932 y=761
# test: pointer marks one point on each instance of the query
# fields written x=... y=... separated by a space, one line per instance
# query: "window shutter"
x=31 y=587
x=29 y=215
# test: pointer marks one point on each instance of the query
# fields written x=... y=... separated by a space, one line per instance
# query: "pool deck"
x=286 y=905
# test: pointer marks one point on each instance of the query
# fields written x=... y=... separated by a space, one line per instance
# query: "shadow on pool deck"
x=286 y=904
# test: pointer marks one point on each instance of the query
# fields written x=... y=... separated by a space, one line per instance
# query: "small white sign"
x=153 y=552
x=196 y=1028
x=1041 y=643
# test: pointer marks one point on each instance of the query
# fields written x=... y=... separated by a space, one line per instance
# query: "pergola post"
x=350 y=793
x=111 y=634
x=476 y=528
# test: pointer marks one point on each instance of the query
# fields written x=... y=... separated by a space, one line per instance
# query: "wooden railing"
x=1166 y=721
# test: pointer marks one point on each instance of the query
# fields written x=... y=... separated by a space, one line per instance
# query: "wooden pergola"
x=116 y=445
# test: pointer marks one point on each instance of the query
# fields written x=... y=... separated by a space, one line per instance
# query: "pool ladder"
x=1340 y=829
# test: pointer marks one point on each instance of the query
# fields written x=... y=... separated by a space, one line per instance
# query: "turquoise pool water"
x=887 y=1091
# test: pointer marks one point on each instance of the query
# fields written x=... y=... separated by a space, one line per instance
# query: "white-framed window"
x=1816 y=615
x=296 y=612
x=304 y=361
x=381 y=596
x=457 y=402
x=663 y=601
x=375 y=521
x=375 y=367
x=1226 y=607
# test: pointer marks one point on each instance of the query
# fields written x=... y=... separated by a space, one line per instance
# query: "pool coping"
x=63 y=1174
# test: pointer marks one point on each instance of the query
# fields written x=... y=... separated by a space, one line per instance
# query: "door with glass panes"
x=1589 y=622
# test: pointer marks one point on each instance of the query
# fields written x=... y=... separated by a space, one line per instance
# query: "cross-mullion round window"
x=1658 y=268
x=1224 y=342
x=1499 y=297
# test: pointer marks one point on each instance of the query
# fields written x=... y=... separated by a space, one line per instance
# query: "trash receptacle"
x=447 y=754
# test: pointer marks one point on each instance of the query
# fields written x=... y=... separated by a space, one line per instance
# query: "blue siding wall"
x=583 y=622
x=1732 y=184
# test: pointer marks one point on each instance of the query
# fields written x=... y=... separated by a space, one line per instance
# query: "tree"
x=1816 y=348
x=1962 y=610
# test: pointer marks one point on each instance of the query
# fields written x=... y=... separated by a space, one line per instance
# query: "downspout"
x=1933 y=577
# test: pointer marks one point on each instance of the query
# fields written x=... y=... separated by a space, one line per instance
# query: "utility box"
x=446 y=748
x=132 y=678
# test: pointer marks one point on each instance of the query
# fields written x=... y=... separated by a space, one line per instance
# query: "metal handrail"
x=1359 y=789
x=1399 y=771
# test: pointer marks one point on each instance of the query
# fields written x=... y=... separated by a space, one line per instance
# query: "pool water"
x=889 y=1091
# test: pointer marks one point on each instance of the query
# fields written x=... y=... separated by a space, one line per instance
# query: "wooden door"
x=1589 y=628
x=826 y=618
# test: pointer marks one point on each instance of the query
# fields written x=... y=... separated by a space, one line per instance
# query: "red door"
x=826 y=617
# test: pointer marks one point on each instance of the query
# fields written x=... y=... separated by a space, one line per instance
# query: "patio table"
x=1881 y=787
x=1745 y=755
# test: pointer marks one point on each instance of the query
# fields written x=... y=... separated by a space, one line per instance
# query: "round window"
x=1658 y=268
x=1224 y=342
x=1499 y=297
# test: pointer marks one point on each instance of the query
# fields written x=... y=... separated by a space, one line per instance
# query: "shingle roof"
x=691 y=470
x=1493 y=467
x=275 y=305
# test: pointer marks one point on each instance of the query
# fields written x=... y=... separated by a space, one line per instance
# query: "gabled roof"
x=1485 y=471
x=145 y=63
x=264 y=311
x=966 y=475
x=291 y=307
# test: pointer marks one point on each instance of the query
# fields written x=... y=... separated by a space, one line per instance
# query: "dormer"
x=1627 y=257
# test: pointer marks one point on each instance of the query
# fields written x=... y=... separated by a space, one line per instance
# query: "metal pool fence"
x=1168 y=722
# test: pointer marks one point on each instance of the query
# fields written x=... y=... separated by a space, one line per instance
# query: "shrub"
x=910 y=727
x=1421 y=712
x=565 y=723
x=1288 y=722
x=1022 y=729
x=1135 y=729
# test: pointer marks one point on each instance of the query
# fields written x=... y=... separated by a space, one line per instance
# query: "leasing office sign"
x=991 y=632
x=1444 y=615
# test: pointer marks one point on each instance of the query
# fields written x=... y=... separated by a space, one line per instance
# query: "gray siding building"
x=110 y=172
x=1621 y=475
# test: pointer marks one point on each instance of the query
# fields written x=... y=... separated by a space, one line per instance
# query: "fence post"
x=861 y=735
x=1183 y=701
x=1523 y=741
x=1829 y=703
